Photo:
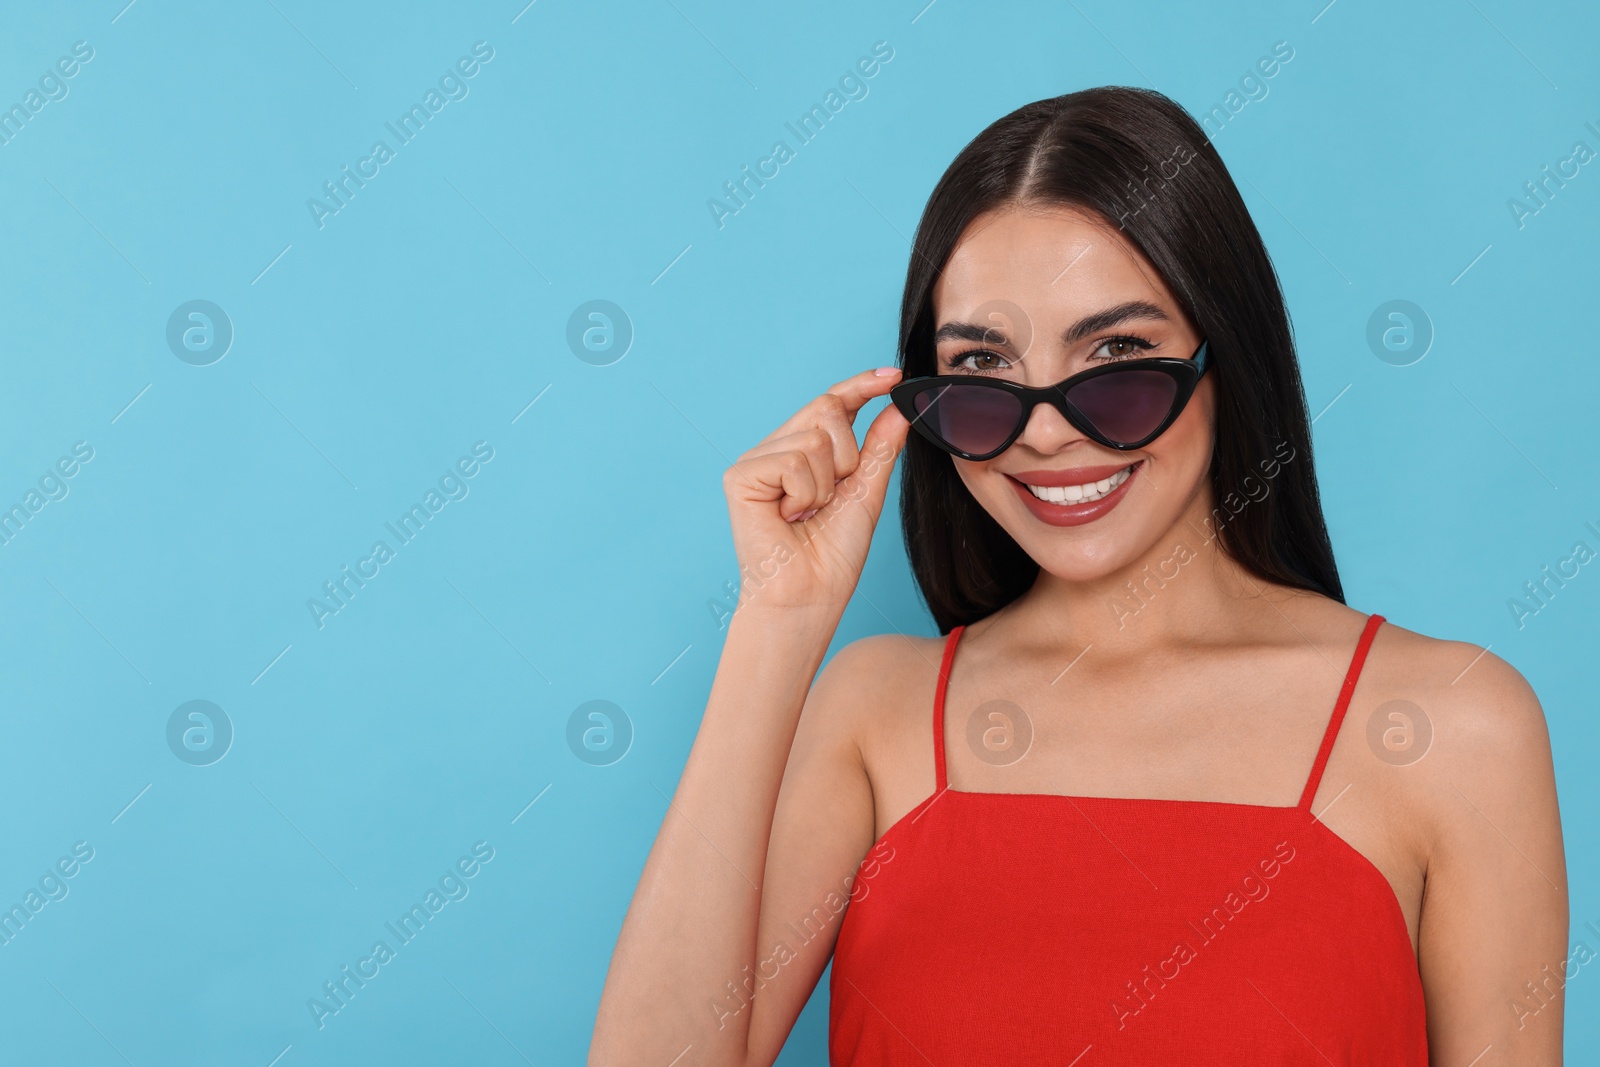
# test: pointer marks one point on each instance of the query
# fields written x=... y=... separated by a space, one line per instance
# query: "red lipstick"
x=1072 y=514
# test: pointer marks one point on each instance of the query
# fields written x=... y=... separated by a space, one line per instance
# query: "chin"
x=1089 y=561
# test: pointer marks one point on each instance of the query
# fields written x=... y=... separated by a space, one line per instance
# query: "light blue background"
x=427 y=314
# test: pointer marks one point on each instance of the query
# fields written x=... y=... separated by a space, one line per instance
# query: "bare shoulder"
x=882 y=654
x=873 y=675
x=878 y=692
x=1485 y=731
x=1483 y=701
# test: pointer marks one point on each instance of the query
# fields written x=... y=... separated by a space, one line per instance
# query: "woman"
x=1158 y=794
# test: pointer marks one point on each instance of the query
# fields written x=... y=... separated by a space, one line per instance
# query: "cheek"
x=1179 y=463
x=973 y=476
x=988 y=487
x=1187 y=441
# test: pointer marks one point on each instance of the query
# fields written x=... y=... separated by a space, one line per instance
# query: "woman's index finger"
x=857 y=389
x=853 y=392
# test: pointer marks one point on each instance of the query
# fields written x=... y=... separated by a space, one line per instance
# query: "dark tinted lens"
x=971 y=418
x=1127 y=405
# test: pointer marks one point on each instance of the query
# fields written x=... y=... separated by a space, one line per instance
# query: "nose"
x=1047 y=431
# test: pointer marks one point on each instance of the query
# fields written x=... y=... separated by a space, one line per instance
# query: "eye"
x=1115 y=348
x=977 y=359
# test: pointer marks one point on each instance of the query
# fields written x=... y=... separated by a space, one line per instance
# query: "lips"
x=1076 y=495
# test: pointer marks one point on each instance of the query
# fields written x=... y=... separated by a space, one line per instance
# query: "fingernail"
x=884 y=372
x=804 y=515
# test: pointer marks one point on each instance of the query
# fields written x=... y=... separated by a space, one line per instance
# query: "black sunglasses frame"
x=1185 y=372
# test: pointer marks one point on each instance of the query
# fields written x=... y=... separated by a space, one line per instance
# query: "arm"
x=1492 y=943
x=696 y=923
x=690 y=937
x=822 y=829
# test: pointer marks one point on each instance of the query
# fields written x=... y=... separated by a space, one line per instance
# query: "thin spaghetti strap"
x=1345 y=691
x=938 y=708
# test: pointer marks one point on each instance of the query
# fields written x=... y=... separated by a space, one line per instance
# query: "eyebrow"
x=1100 y=320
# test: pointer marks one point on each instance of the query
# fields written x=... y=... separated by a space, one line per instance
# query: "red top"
x=1035 y=928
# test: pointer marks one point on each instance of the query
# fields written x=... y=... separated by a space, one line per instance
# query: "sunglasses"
x=1122 y=405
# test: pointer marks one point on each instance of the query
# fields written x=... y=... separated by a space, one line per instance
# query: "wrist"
x=808 y=624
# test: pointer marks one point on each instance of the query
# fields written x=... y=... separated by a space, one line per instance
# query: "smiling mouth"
x=1081 y=494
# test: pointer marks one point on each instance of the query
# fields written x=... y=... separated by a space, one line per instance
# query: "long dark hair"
x=1136 y=158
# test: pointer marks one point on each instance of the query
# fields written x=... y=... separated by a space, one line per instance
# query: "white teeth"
x=1077 y=494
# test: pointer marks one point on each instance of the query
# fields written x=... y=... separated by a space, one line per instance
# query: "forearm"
x=691 y=927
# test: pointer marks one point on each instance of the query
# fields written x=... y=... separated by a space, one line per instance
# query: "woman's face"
x=1060 y=290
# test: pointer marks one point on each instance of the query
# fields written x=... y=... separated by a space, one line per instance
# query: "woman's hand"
x=804 y=502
